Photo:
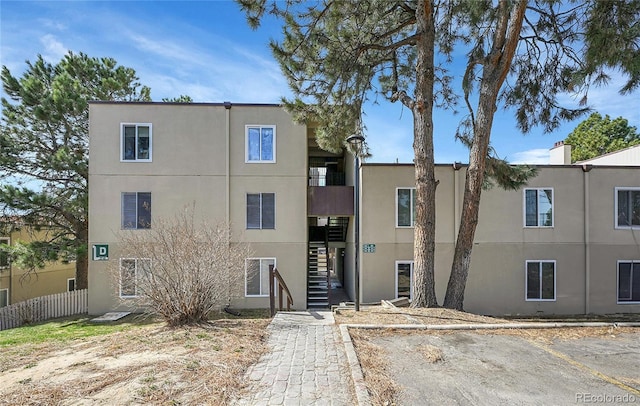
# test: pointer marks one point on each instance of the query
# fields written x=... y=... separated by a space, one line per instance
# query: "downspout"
x=227 y=119
x=456 y=200
x=587 y=245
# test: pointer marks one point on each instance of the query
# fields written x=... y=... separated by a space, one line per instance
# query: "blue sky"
x=205 y=49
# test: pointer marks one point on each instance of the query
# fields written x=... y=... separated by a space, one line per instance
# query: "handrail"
x=282 y=286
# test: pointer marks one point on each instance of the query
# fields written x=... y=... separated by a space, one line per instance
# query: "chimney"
x=560 y=154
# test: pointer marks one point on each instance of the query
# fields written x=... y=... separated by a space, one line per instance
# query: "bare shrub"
x=180 y=270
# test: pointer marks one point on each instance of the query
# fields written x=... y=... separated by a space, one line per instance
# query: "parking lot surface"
x=495 y=369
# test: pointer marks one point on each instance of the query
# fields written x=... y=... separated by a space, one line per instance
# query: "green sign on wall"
x=368 y=248
x=100 y=252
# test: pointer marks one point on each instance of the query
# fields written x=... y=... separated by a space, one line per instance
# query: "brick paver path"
x=306 y=365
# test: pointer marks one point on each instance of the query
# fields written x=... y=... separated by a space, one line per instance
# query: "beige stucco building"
x=18 y=284
x=565 y=244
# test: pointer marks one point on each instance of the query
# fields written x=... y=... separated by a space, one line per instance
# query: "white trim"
x=122 y=125
x=615 y=208
x=6 y=296
x=410 y=262
x=260 y=259
x=524 y=207
x=246 y=144
x=555 y=280
x=8 y=240
x=411 y=208
x=625 y=302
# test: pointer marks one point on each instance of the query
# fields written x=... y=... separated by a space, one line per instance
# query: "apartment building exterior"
x=567 y=243
x=246 y=165
x=19 y=284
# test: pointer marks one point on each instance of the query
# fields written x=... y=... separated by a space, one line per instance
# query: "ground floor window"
x=628 y=281
x=71 y=284
x=404 y=279
x=257 y=276
x=131 y=270
x=4 y=297
x=541 y=280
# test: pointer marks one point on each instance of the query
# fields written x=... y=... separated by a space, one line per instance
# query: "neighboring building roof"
x=625 y=157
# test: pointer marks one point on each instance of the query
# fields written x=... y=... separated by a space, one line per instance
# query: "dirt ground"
x=148 y=365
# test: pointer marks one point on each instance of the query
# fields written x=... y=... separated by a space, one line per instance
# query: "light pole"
x=356 y=141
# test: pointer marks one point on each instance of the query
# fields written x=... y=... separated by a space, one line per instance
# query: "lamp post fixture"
x=356 y=141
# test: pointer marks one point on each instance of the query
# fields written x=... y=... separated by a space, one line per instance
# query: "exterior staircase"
x=318 y=286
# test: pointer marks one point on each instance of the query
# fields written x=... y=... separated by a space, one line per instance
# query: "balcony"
x=330 y=201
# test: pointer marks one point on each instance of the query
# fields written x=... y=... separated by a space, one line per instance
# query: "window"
x=260 y=143
x=71 y=284
x=136 y=210
x=627 y=207
x=261 y=211
x=4 y=297
x=541 y=280
x=131 y=272
x=405 y=207
x=135 y=142
x=257 y=276
x=628 y=281
x=538 y=207
x=4 y=255
x=404 y=279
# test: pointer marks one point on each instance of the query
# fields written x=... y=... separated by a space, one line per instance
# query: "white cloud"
x=54 y=50
x=538 y=156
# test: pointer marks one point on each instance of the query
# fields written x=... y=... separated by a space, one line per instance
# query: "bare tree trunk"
x=495 y=68
x=82 y=260
x=425 y=221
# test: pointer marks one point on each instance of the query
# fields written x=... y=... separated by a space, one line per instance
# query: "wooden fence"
x=44 y=308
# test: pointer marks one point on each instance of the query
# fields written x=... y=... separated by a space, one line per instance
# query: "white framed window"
x=260 y=144
x=257 y=276
x=629 y=282
x=261 y=211
x=136 y=210
x=538 y=207
x=4 y=297
x=405 y=207
x=4 y=255
x=540 y=280
x=71 y=284
x=404 y=279
x=627 y=207
x=131 y=271
x=136 y=142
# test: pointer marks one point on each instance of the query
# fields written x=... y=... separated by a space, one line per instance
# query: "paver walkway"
x=306 y=364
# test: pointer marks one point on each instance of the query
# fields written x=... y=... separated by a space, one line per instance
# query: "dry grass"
x=153 y=364
x=375 y=368
x=406 y=315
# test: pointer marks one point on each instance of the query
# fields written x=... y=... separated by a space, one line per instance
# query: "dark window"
x=136 y=210
x=261 y=213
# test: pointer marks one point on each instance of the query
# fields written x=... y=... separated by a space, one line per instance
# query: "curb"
x=362 y=394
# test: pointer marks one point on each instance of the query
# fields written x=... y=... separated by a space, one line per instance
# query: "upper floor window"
x=538 y=207
x=135 y=142
x=257 y=276
x=260 y=143
x=136 y=210
x=541 y=280
x=4 y=255
x=405 y=207
x=627 y=207
x=261 y=210
x=628 y=281
x=132 y=270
